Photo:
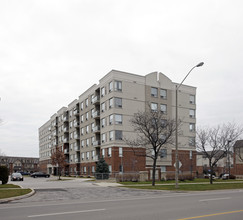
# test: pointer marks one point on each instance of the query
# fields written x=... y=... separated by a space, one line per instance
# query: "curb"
x=17 y=197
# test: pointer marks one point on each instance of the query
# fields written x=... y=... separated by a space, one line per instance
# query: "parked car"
x=207 y=176
x=24 y=173
x=40 y=174
x=17 y=177
x=225 y=176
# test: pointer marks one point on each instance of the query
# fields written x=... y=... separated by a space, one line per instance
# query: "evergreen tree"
x=102 y=169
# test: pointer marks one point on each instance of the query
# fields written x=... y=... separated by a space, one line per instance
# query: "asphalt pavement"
x=82 y=199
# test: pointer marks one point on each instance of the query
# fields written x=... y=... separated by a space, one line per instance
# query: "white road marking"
x=205 y=200
x=66 y=213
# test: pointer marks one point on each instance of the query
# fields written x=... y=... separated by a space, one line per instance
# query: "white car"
x=225 y=176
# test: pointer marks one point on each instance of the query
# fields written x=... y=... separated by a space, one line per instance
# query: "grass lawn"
x=8 y=193
x=173 y=182
x=3 y=186
x=192 y=187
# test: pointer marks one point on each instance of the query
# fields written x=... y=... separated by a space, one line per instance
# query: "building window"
x=87 y=155
x=82 y=143
x=154 y=106
x=87 y=115
x=82 y=156
x=163 y=93
x=102 y=91
x=154 y=92
x=118 y=119
x=82 y=131
x=192 y=99
x=192 y=127
x=118 y=102
x=103 y=152
x=92 y=126
x=82 y=118
x=118 y=86
x=103 y=122
x=109 y=152
x=103 y=107
x=93 y=154
x=192 y=141
x=93 y=169
x=118 y=135
x=70 y=113
x=92 y=112
x=190 y=155
x=87 y=142
x=84 y=170
x=192 y=113
x=163 y=153
x=120 y=152
x=163 y=108
x=111 y=86
x=110 y=168
x=111 y=103
x=163 y=169
x=82 y=106
x=87 y=129
x=111 y=135
x=103 y=138
x=86 y=102
x=110 y=119
x=92 y=140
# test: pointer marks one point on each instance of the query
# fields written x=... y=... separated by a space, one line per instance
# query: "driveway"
x=49 y=189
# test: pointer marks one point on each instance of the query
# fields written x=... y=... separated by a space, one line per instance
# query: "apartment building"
x=95 y=124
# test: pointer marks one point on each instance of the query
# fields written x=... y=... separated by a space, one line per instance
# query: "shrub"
x=127 y=177
x=4 y=174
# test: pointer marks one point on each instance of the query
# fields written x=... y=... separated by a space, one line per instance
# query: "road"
x=88 y=201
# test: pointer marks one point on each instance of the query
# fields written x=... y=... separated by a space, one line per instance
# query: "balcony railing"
x=96 y=114
x=76 y=112
x=65 y=129
x=96 y=158
x=77 y=160
x=96 y=128
x=96 y=100
x=96 y=143
x=76 y=136
x=77 y=148
x=76 y=124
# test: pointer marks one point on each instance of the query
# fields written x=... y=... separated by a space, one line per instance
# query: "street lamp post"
x=176 y=151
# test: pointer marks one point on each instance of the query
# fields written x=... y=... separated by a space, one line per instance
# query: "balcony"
x=77 y=148
x=96 y=100
x=96 y=158
x=66 y=151
x=76 y=124
x=76 y=136
x=96 y=143
x=77 y=160
x=96 y=114
x=96 y=129
x=76 y=112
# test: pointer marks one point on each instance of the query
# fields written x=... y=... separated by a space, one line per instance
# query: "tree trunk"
x=153 y=174
x=211 y=174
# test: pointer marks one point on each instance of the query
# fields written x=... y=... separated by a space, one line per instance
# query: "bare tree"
x=215 y=143
x=58 y=159
x=154 y=133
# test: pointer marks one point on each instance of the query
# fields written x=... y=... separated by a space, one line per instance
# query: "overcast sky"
x=52 y=51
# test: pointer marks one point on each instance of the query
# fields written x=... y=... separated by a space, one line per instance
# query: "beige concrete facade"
x=95 y=123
